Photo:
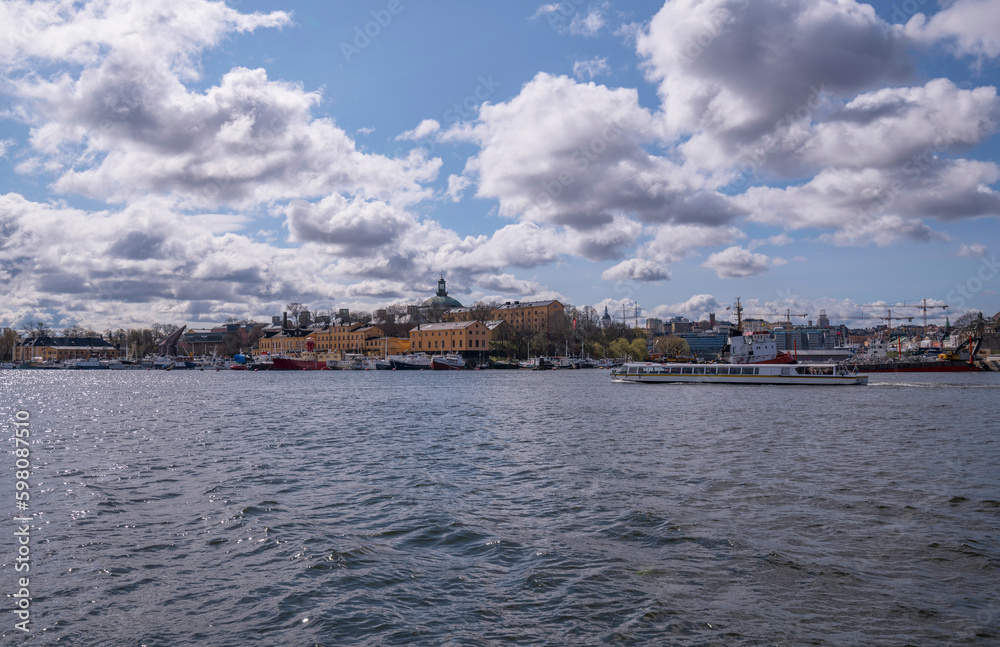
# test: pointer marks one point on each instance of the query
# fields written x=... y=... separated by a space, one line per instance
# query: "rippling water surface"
x=506 y=507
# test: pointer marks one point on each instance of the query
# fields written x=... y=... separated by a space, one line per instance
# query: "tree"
x=8 y=341
x=294 y=309
x=76 y=330
x=231 y=343
x=638 y=349
x=37 y=328
x=969 y=322
x=482 y=310
x=673 y=346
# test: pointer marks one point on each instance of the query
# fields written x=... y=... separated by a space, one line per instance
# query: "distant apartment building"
x=654 y=326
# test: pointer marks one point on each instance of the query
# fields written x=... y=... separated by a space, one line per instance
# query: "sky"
x=193 y=161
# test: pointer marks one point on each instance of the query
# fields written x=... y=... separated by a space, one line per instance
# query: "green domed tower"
x=441 y=301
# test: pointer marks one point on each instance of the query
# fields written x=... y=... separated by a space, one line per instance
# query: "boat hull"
x=398 y=365
x=918 y=367
x=444 y=365
x=289 y=364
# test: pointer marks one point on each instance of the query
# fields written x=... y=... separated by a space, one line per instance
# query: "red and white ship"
x=756 y=348
x=307 y=361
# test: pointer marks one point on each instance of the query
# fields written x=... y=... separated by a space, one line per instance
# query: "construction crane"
x=889 y=319
x=788 y=315
x=925 y=308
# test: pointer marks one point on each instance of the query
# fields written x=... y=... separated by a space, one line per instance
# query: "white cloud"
x=697 y=308
x=546 y=9
x=586 y=24
x=972 y=26
x=777 y=240
x=897 y=198
x=573 y=154
x=900 y=126
x=347 y=227
x=733 y=74
x=590 y=69
x=736 y=262
x=671 y=243
x=457 y=184
x=882 y=231
x=84 y=33
x=975 y=250
x=636 y=269
x=245 y=141
x=423 y=129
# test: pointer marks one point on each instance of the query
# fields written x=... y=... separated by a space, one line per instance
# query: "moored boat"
x=298 y=364
x=447 y=363
x=412 y=362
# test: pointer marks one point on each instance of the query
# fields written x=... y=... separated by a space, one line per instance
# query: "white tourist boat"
x=649 y=372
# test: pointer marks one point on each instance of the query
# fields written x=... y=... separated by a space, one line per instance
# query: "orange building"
x=450 y=337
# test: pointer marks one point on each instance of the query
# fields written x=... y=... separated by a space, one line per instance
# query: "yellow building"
x=532 y=316
x=281 y=343
x=450 y=337
x=352 y=338
x=383 y=346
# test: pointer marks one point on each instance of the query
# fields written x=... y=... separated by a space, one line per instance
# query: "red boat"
x=290 y=364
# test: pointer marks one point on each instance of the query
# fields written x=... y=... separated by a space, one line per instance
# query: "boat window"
x=674 y=370
x=709 y=370
x=686 y=370
x=699 y=370
x=747 y=370
x=723 y=370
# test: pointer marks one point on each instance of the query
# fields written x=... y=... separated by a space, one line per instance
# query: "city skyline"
x=198 y=161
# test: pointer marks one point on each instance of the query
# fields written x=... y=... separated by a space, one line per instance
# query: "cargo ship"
x=948 y=362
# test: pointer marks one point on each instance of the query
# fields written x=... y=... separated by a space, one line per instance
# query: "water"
x=505 y=507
